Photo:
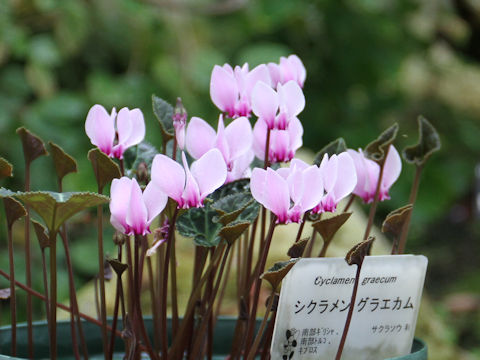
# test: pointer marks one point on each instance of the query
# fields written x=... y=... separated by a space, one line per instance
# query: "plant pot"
x=221 y=344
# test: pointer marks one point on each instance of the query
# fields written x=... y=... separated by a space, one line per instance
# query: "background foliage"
x=369 y=63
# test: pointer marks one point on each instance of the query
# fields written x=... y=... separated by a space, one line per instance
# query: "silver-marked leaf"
x=335 y=147
x=376 y=149
x=64 y=163
x=164 y=113
x=104 y=168
x=134 y=156
x=33 y=146
x=278 y=271
x=54 y=208
x=231 y=206
x=428 y=143
x=6 y=169
x=197 y=223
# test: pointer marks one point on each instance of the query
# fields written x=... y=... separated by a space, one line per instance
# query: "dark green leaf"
x=142 y=153
x=33 y=146
x=428 y=143
x=329 y=227
x=335 y=147
x=42 y=234
x=278 y=271
x=296 y=250
x=6 y=169
x=164 y=112
x=231 y=206
x=395 y=220
x=234 y=187
x=13 y=210
x=117 y=266
x=55 y=208
x=64 y=163
x=376 y=149
x=104 y=168
x=359 y=251
x=197 y=223
x=232 y=232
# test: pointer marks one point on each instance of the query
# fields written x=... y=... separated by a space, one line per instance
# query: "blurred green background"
x=369 y=63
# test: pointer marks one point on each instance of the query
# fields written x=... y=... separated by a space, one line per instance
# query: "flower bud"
x=142 y=173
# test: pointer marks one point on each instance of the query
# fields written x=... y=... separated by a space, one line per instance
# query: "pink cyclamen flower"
x=368 y=172
x=300 y=185
x=339 y=180
x=231 y=89
x=283 y=143
x=114 y=133
x=277 y=108
x=189 y=186
x=290 y=68
x=233 y=141
x=132 y=211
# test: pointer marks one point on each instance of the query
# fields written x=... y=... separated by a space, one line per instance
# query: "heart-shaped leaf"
x=234 y=187
x=359 y=251
x=42 y=234
x=14 y=210
x=6 y=169
x=55 y=208
x=164 y=113
x=376 y=149
x=327 y=228
x=278 y=271
x=232 y=232
x=396 y=219
x=64 y=163
x=335 y=147
x=197 y=223
x=297 y=249
x=33 y=146
x=428 y=143
x=104 y=168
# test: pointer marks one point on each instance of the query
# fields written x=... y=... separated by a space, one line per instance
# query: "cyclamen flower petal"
x=231 y=89
x=100 y=128
x=283 y=143
x=300 y=184
x=233 y=141
x=189 y=186
x=290 y=68
x=131 y=210
x=339 y=178
x=368 y=172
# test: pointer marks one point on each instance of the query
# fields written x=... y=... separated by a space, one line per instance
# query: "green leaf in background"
x=55 y=208
x=105 y=168
x=6 y=169
x=428 y=143
x=163 y=112
x=376 y=149
x=64 y=163
x=335 y=147
x=197 y=223
x=33 y=146
x=278 y=271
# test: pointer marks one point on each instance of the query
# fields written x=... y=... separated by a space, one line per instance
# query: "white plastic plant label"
x=315 y=299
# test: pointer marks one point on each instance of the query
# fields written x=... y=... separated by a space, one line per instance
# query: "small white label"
x=315 y=299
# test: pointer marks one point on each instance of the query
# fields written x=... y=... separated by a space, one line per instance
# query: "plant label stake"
x=315 y=299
